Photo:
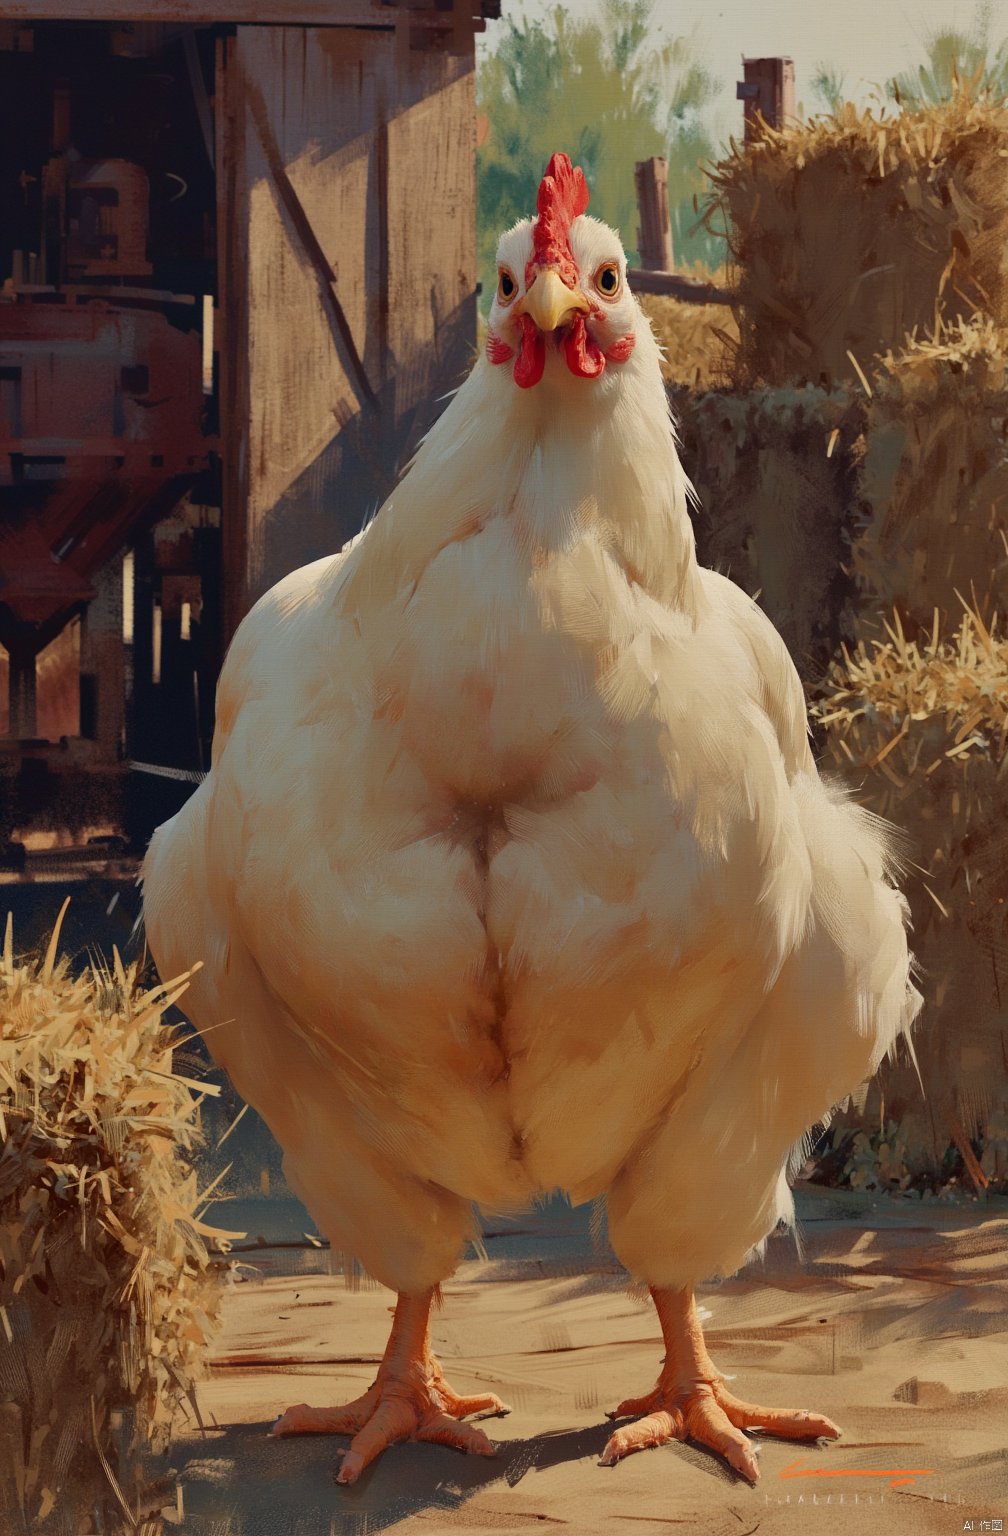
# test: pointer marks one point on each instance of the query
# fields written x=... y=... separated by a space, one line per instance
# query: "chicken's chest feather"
x=499 y=664
x=525 y=829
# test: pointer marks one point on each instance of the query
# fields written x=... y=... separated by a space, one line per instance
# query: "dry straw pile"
x=852 y=230
x=921 y=726
x=107 y=1301
x=699 y=341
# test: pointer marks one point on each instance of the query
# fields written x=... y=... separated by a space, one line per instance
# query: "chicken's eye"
x=607 y=279
x=506 y=285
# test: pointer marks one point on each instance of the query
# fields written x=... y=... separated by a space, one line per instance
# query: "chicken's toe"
x=788 y=1423
x=633 y=1407
x=709 y=1415
x=345 y=1419
x=395 y=1418
x=692 y=1402
x=404 y=1413
x=409 y=1399
x=484 y=1404
x=443 y=1429
x=697 y=1416
x=707 y=1423
x=653 y=1429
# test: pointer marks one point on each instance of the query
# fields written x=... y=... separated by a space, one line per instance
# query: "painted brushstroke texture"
x=514 y=870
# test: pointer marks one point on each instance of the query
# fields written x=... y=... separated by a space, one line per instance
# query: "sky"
x=867 y=41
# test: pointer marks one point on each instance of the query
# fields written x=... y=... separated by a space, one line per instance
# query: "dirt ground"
x=893 y=1323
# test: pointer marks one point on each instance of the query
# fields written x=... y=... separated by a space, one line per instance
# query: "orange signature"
x=896 y=1475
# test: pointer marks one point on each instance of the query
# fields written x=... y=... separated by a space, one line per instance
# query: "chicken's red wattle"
x=584 y=356
x=531 y=361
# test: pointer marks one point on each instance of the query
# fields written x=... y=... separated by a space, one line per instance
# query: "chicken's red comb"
x=563 y=194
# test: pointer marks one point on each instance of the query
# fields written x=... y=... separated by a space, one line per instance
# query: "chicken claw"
x=408 y=1400
x=691 y=1401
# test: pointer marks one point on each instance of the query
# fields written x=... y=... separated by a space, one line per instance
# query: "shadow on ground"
x=894 y=1317
x=238 y=1479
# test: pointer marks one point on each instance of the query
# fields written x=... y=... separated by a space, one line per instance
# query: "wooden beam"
x=308 y=241
x=232 y=297
x=21 y=682
x=200 y=13
x=688 y=289
x=323 y=13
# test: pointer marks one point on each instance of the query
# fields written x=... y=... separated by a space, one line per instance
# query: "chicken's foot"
x=692 y=1402
x=409 y=1399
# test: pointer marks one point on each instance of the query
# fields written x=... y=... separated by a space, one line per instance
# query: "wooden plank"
x=346 y=13
x=347 y=240
x=431 y=245
x=303 y=233
x=198 y=13
x=688 y=289
x=232 y=341
x=321 y=94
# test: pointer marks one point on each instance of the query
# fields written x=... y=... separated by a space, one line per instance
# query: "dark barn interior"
x=109 y=485
x=158 y=315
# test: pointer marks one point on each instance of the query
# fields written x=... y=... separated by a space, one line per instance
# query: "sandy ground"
x=894 y=1323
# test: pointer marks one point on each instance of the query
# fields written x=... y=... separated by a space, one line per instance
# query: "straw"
x=860 y=226
x=918 y=723
x=107 y=1298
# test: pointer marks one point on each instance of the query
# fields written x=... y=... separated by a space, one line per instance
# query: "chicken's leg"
x=691 y=1401
x=409 y=1399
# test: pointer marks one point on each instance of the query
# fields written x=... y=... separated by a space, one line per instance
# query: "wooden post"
x=21 y=683
x=102 y=669
x=767 y=92
x=233 y=305
x=654 y=235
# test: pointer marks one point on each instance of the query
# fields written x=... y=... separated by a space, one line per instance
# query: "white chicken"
x=514 y=873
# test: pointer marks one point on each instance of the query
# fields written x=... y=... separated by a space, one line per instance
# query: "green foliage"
x=603 y=91
x=828 y=87
x=957 y=57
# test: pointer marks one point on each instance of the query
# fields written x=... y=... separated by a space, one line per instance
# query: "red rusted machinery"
x=100 y=428
x=106 y=420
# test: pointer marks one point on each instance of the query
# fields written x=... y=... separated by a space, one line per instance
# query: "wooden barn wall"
x=346 y=172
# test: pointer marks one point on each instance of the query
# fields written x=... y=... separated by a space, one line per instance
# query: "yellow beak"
x=550 y=302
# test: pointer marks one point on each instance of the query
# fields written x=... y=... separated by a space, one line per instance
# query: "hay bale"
x=921 y=726
x=107 y=1303
x=699 y=341
x=854 y=229
x=839 y=507
x=934 y=476
x=774 y=472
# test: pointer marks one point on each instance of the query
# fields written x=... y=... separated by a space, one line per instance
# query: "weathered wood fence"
x=768 y=96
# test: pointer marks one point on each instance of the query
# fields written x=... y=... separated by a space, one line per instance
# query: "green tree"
x=954 y=55
x=600 y=89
